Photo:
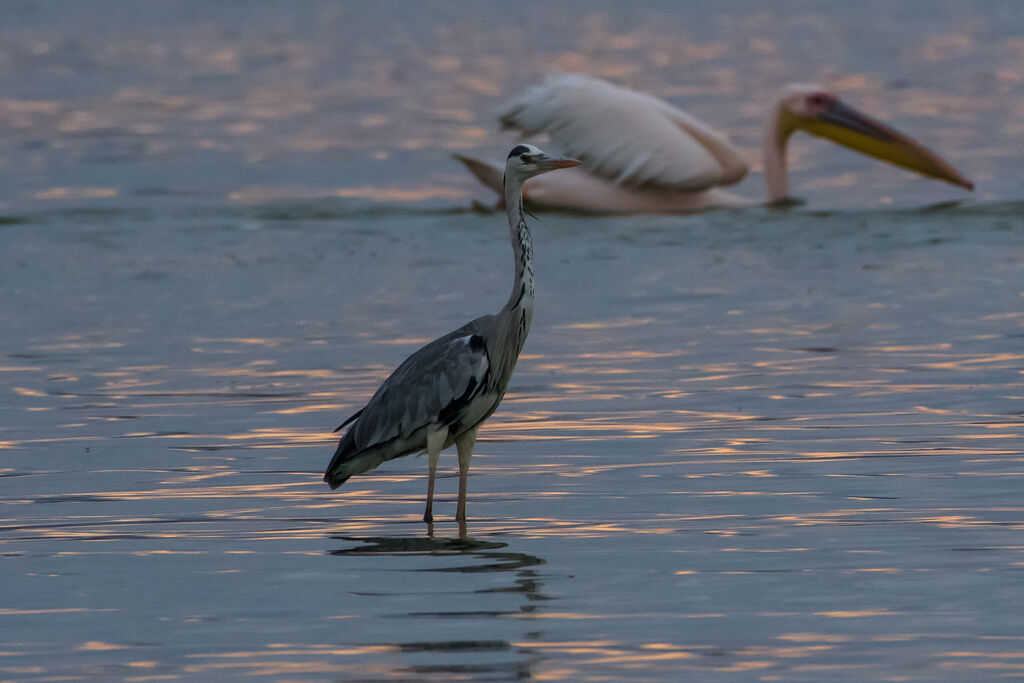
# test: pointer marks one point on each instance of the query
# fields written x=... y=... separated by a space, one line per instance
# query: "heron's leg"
x=465 y=444
x=435 y=442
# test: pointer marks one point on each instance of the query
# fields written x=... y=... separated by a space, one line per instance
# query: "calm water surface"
x=755 y=445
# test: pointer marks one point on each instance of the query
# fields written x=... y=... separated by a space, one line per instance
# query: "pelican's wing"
x=626 y=136
x=430 y=387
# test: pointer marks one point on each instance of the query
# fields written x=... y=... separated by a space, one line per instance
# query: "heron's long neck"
x=519 y=308
x=773 y=155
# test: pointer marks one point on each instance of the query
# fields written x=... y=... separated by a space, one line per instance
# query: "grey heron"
x=440 y=394
x=640 y=154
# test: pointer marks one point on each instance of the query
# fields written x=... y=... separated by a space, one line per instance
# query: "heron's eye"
x=525 y=158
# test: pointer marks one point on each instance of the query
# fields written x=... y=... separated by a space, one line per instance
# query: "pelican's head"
x=526 y=161
x=819 y=112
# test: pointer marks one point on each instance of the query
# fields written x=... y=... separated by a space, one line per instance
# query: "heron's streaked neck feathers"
x=518 y=311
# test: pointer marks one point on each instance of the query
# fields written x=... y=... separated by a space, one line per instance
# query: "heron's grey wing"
x=430 y=387
x=626 y=136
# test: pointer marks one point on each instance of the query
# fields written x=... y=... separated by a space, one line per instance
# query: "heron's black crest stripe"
x=360 y=412
x=517 y=150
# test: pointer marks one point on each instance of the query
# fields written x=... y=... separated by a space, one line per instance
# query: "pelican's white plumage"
x=625 y=136
x=640 y=154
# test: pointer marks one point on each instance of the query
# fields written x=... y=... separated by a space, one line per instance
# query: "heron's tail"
x=487 y=173
x=335 y=476
x=348 y=462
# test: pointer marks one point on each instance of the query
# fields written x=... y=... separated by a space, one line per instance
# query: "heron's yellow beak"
x=546 y=163
x=848 y=127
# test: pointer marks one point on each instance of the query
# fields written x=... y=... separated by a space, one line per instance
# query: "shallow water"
x=757 y=444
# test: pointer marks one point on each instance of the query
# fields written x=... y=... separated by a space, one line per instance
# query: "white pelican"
x=640 y=154
x=439 y=395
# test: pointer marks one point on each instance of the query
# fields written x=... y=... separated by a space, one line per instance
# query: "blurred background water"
x=749 y=444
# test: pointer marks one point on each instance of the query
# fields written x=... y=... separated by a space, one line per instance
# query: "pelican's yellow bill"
x=848 y=127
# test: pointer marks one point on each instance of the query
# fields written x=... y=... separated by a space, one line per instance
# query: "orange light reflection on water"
x=378 y=193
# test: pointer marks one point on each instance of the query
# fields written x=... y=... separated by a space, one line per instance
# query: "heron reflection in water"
x=508 y=584
x=640 y=154
x=440 y=394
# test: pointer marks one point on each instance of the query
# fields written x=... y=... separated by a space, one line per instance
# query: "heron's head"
x=526 y=161
x=816 y=111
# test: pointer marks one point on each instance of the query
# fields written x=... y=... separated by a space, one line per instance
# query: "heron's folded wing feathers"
x=423 y=389
x=626 y=136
